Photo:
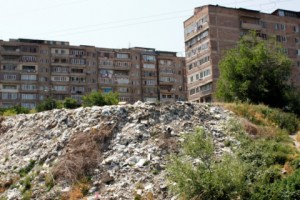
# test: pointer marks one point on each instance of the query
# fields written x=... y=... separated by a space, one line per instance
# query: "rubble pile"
x=133 y=160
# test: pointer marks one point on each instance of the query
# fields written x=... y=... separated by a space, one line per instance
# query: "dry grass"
x=298 y=136
x=288 y=168
x=82 y=154
x=77 y=192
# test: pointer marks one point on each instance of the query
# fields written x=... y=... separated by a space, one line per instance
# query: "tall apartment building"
x=213 y=29
x=32 y=70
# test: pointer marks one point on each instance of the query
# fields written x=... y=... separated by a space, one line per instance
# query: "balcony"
x=250 y=26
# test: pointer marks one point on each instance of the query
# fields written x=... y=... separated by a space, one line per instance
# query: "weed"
x=27 y=195
x=49 y=181
x=26 y=184
x=27 y=169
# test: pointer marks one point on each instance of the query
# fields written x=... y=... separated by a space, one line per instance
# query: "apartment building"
x=32 y=70
x=214 y=29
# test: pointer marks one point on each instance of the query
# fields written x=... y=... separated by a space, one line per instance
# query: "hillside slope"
x=110 y=152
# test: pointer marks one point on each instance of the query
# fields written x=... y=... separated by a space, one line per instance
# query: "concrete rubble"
x=134 y=160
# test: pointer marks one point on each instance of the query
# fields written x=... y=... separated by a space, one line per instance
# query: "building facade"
x=214 y=29
x=33 y=70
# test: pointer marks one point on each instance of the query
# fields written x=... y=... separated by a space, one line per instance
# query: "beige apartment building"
x=213 y=29
x=32 y=70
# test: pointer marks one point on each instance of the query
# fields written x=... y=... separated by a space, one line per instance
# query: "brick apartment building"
x=32 y=70
x=213 y=29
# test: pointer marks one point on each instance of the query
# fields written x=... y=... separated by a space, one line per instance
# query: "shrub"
x=70 y=103
x=211 y=178
x=47 y=104
x=99 y=99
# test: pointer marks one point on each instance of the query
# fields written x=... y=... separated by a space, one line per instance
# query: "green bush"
x=14 y=110
x=47 y=104
x=70 y=103
x=210 y=178
x=99 y=99
x=251 y=171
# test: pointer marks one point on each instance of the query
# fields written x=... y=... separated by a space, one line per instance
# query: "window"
x=9 y=96
x=10 y=77
x=60 y=78
x=191 y=79
x=76 y=70
x=298 y=63
x=59 y=69
x=78 y=61
x=122 y=55
x=123 y=90
x=123 y=64
x=149 y=66
x=281 y=38
x=43 y=79
x=106 y=73
x=77 y=89
x=9 y=67
x=167 y=79
x=150 y=82
x=77 y=52
x=280 y=27
x=29 y=87
x=298 y=52
x=9 y=87
x=60 y=88
x=206 y=87
x=296 y=29
x=28 y=58
x=197 y=38
x=263 y=24
x=106 y=63
x=107 y=90
x=28 y=96
x=297 y=40
x=122 y=81
x=78 y=79
x=149 y=58
x=25 y=77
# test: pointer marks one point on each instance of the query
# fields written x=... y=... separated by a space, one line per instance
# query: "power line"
x=114 y=22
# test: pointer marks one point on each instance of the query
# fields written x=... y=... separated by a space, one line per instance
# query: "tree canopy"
x=255 y=71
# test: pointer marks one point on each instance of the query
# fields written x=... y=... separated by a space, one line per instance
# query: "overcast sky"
x=112 y=23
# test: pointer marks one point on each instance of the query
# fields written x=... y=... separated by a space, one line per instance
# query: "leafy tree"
x=70 y=103
x=256 y=71
x=47 y=104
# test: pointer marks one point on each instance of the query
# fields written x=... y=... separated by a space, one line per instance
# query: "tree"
x=256 y=71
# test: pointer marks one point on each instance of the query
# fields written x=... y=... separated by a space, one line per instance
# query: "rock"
x=141 y=163
x=13 y=194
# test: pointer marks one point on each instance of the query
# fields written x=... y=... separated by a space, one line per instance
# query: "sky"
x=113 y=23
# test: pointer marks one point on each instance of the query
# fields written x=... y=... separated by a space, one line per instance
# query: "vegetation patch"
x=262 y=115
x=24 y=171
x=260 y=167
x=83 y=153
